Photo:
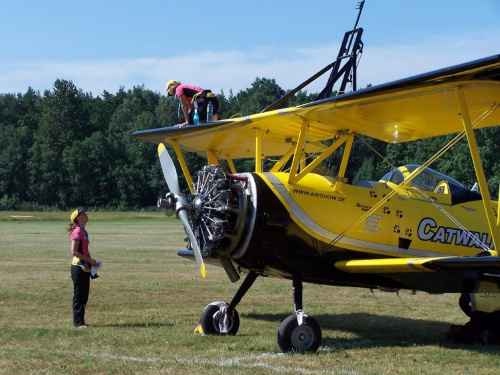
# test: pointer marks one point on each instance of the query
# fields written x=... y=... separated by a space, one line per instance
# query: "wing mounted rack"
x=349 y=53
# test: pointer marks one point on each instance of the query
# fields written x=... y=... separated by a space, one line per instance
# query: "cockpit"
x=430 y=180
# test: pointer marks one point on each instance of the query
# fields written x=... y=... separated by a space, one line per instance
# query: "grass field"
x=146 y=304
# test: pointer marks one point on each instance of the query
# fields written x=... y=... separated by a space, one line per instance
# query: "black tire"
x=210 y=325
x=295 y=338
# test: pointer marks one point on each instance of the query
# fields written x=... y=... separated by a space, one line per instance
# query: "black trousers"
x=81 y=289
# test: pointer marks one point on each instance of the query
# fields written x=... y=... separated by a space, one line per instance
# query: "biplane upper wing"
x=422 y=106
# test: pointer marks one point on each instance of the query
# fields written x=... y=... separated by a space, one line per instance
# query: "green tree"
x=90 y=177
x=63 y=117
x=63 y=121
x=166 y=113
x=253 y=100
x=302 y=97
x=135 y=165
x=52 y=145
x=14 y=143
x=18 y=120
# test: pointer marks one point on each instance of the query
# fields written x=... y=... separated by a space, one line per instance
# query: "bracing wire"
x=436 y=156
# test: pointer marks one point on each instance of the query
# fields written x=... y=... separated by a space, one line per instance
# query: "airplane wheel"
x=210 y=323
x=295 y=338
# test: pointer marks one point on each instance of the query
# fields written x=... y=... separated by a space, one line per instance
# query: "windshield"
x=427 y=180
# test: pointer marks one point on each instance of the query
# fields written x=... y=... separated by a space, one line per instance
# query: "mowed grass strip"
x=146 y=304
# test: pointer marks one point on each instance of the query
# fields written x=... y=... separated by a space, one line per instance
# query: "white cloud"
x=236 y=70
x=394 y=62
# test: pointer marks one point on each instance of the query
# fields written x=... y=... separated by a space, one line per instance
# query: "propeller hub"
x=199 y=205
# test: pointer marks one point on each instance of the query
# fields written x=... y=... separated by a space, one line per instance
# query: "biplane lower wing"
x=446 y=274
x=477 y=263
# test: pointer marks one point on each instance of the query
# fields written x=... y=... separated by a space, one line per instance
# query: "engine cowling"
x=222 y=212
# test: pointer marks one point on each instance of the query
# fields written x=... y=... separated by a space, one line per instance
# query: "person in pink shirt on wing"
x=184 y=94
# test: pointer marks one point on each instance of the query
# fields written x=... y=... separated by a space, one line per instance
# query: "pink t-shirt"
x=80 y=234
x=187 y=90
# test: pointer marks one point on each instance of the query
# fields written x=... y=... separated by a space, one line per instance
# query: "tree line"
x=66 y=148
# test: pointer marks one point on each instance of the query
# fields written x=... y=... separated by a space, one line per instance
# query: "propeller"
x=168 y=167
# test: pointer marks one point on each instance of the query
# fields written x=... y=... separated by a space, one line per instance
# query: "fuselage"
x=307 y=227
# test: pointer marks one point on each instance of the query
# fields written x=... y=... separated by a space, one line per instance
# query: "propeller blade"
x=168 y=167
x=183 y=215
x=170 y=173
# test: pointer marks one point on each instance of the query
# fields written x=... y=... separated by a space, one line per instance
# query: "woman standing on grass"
x=81 y=265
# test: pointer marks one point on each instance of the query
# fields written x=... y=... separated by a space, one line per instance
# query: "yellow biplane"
x=415 y=228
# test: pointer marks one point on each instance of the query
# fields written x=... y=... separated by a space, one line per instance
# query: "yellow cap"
x=77 y=213
x=171 y=84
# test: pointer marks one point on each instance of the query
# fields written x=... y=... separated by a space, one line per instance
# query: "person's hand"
x=93 y=263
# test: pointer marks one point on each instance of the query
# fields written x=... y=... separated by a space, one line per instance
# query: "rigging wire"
x=414 y=174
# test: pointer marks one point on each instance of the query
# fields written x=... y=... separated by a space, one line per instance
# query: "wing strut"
x=183 y=164
x=478 y=166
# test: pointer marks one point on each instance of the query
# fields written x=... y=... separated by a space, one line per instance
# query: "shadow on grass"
x=374 y=330
x=135 y=325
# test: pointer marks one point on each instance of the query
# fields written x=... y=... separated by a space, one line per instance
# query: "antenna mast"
x=348 y=71
x=351 y=48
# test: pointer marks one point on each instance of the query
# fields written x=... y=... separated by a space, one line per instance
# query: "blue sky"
x=224 y=45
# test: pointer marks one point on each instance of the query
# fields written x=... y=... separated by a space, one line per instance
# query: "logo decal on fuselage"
x=371 y=226
x=319 y=195
x=428 y=230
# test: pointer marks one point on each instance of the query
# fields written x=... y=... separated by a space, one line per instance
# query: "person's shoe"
x=82 y=326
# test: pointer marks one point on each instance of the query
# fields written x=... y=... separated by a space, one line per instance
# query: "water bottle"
x=196 y=117
x=210 y=112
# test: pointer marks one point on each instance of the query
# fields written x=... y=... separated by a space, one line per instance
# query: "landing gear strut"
x=223 y=319
x=299 y=332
